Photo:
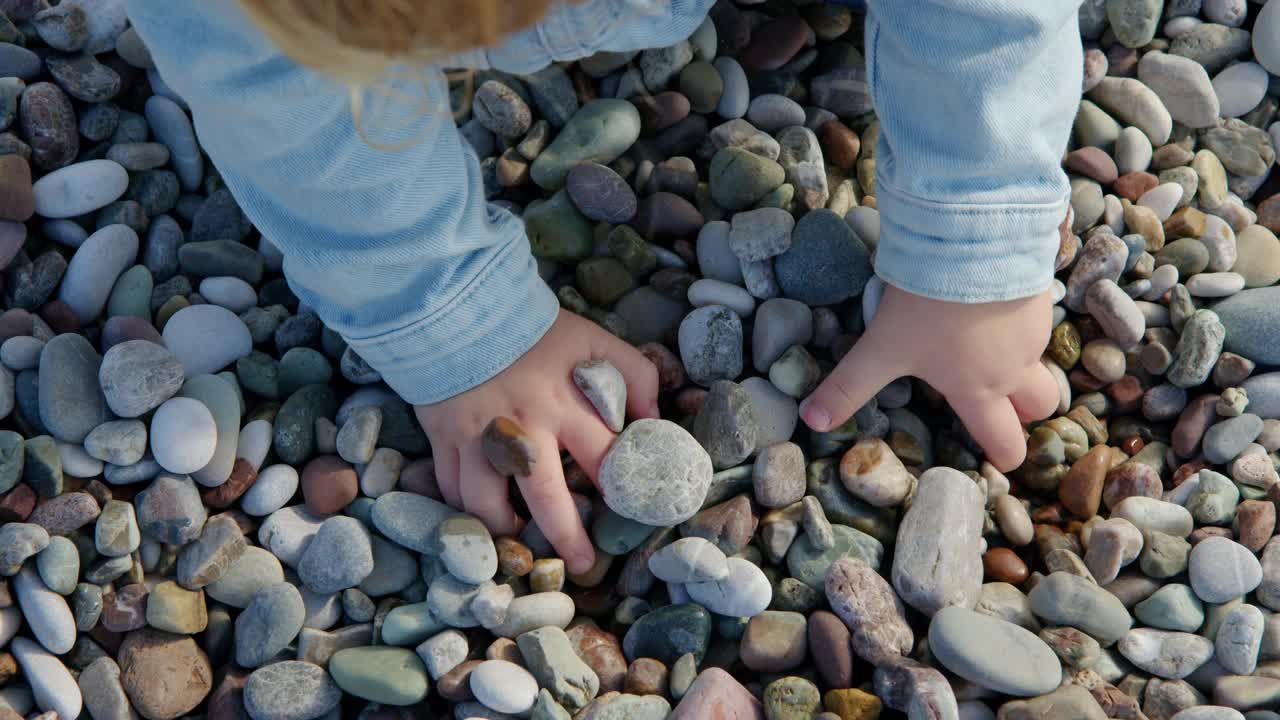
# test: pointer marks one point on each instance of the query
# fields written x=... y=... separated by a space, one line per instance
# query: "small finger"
x=552 y=507
x=862 y=373
x=1037 y=397
x=992 y=421
x=637 y=370
x=484 y=492
x=446 y=457
x=587 y=440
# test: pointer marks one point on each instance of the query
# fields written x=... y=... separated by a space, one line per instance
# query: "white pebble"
x=46 y=612
x=255 y=442
x=206 y=338
x=231 y=293
x=183 y=435
x=94 y=268
x=1162 y=199
x=80 y=188
x=273 y=488
x=1215 y=285
x=76 y=462
x=504 y=687
x=51 y=684
x=1240 y=88
x=746 y=591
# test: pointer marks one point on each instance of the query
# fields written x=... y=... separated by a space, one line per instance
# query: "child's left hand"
x=537 y=391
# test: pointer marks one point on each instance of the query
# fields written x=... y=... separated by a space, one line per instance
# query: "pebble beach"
x=211 y=507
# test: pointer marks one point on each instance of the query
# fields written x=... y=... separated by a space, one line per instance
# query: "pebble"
x=270 y=622
x=206 y=338
x=599 y=131
x=183 y=435
x=172 y=127
x=1167 y=654
x=1065 y=599
x=993 y=653
x=1183 y=86
x=605 y=389
x=504 y=686
x=1239 y=639
x=388 y=675
x=820 y=242
x=290 y=690
x=52 y=686
x=678 y=466
x=339 y=556
x=945 y=520
x=710 y=340
x=744 y=592
x=1221 y=569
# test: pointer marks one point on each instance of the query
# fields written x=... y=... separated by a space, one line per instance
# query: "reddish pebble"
x=125 y=609
x=60 y=317
x=328 y=484
x=774 y=43
x=455 y=685
x=660 y=111
x=1094 y=163
x=17 y=504
x=670 y=370
x=1269 y=213
x=1132 y=479
x=15 y=322
x=1132 y=185
x=1080 y=490
x=122 y=328
x=689 y=400
x=66 y=513
x=419 y=477
x=1126 y=395
x=227 y=700
x=514 y=558
x=242 y=478
x=17 y=201
x=1206 y=532
x=1195 y=419
x=840 y=145
x=646 y=676
x=1048 y=514
x=1003 y=565
x=1185 y=471
x=1083 y=382
x=1132 y=446
x=715 y=694
x=1255 y=521
x=829 y=646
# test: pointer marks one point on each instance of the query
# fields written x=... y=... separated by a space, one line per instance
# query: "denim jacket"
x=393 y=244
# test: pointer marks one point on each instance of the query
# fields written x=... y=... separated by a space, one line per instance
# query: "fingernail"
x=815 y=417
x=582 y=564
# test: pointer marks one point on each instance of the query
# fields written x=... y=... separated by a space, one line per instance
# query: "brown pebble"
x=17 y=504
x=1093 y=162
x=1269 y=213
x=8 y=668
x=328 y=484
x=1131 y=479
x=1003 y=565
x=1195 y=419
x=125 y=609
x=1051 y=514
x=1080 y=490
x=455 y=685
x=729 y=525
x=1254 y=523
x=504 y=649
x=227 y=700
x=60 y=317
x=670 y=369
x=774 y=42
x=689 y=400
x=840 y=145
x=1083 y=382
x=514 y=558
x=1132 y=446
x=547 y=575
x=1126 y=395
x=65 y=513
x=646 y=676
x=17 y=202
x=166 y=676
x=829 y=648
x=508 y=447
x=225 y=495
x=15 y=322
x=595 y=574
x=600 y=650
x=1185 y=471
x=1132 y=185
x=1206 y=532
x=419 y=476
x=1184 y=222
x=661 y=111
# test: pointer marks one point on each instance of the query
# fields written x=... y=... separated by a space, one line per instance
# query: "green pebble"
x=546 y=708
x=59 y=565
x=782 y=197
x=669 y=632
x=157 y=191
x=361 y=509
x=1188 y=255
x=796 y=373
x=603 y=280
x=11 y=457
x=683 y=673
x=557 y=230
x=303 y=366
x=626 y=245
x=570 y=299
x=740 y=178
x=1172 y=607
x=791 y=698
x=42 y=468
x=131 y=295
x=731 y=628
x=617 y=535
x=259 y=373
x=790 y=594
x=1163 y=555
x=600 y=131
x=1214 y=502
x=387 y=675
x=231 y=379
x=295 y=425
x=410 y=624
x=809 y=565
x=702 y=84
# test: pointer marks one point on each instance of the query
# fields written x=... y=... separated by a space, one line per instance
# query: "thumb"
x=862 y=373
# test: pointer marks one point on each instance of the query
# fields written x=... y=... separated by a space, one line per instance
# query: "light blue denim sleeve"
x=394 y=247
x=976 y=99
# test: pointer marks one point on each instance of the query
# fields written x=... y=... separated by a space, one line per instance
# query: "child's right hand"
x=538 y=392
x=984 y=358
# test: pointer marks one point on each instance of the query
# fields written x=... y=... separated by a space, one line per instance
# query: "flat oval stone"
x=466 y=549
x=1166 y=654
x=1066 y=599
x=52 y=686
x=388 y=675
x=600 y=193
x=290 y=690
x=993 y=653
x=49 y=125
x=206 y=338
x=94 y=268
x=219 y=396
x=173 y=128
x=71 y=402
x=710 y=340
x=46 y=612
x=268 y=624
x=826 y=263
x=184 y=435
x=655 y=473
x=669 y=632
x=273 y=488
x=409 y=519
x=79 y=189
x=253 y=570
x=504 y=686
x=600 y=131
x=1222 y=569
x=936 y=561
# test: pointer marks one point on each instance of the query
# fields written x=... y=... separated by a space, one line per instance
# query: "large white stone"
x=80 y=188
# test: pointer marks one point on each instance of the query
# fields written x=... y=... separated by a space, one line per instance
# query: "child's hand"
x=538 y=391
x=984 y=358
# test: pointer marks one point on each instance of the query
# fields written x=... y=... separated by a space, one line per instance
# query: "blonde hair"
x=358 y=40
